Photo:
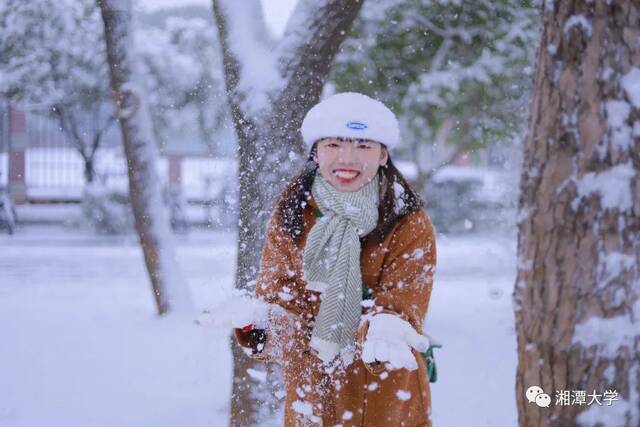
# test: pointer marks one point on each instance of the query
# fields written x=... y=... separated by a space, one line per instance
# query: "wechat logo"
x=536 y=394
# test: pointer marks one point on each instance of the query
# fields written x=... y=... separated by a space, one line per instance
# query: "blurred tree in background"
x=52 y=61
x=458 y=74
x=183 y=78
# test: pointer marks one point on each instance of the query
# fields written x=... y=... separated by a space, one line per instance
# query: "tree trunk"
x=89 y=170
x=577 y=292
x=151 y=219
x=269 y=140
x=426 y=171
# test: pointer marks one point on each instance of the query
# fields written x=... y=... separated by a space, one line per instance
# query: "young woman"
x=347 y=268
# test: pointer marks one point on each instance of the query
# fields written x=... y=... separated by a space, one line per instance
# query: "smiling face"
x=349 y=164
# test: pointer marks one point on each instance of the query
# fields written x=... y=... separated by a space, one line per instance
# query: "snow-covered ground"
x=81 y=345
x=472 y=314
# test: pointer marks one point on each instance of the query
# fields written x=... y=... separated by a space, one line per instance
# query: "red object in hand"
x=247 y=328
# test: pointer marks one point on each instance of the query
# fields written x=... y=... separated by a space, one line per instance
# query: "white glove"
x=390 y=339
x=237 y=311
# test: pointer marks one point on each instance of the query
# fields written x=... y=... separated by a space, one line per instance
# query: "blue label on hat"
x=356 y=125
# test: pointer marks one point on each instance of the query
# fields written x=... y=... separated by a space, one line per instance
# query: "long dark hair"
x=397 y=198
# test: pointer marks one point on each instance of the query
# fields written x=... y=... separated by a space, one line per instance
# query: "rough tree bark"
x=576 y=298
x=267 y=120
x=151 y=219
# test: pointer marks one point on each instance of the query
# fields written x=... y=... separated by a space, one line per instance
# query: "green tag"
x=318 y=214
x=428 y=355
x=432 y=372
x=367 y=293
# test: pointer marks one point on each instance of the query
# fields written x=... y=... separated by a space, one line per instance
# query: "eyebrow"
x=360 y=140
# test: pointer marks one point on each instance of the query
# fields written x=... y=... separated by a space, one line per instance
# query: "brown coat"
x=400 y=272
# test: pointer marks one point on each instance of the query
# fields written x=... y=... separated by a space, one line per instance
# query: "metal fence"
x=54 y=168
x=59 y=173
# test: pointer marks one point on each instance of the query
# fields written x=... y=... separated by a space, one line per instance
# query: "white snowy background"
x=81 y=345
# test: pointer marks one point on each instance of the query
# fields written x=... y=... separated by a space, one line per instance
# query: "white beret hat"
x=351 y=115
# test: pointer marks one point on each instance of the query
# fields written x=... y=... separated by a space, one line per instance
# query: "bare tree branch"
x=97 y=138
x=461 y=148
x=426 y=172
x=69 y=127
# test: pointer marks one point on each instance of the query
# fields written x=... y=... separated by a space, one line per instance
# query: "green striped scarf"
x=331 y=261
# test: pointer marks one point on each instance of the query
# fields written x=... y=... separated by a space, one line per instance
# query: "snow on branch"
x=296 y=33
x=247 y=43
x=313 y=28
x=279 y=85
x=481 y=70
x=311 y=40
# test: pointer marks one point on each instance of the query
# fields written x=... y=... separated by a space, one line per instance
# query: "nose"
x=345 y=152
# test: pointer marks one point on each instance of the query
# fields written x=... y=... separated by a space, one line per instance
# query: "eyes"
x=359 y=145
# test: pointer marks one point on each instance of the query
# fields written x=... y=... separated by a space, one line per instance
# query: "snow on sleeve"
x=260 y=376
x=407 y=274
x=302 y=407
x=285 y=294
x=403 y=395
x=305 y=408
x=347 y=415
x=417 y=254
x=398 y=193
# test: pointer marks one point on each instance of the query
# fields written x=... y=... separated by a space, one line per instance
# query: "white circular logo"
x=535 y=394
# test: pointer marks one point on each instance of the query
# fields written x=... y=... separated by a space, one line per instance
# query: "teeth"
x=345 y=174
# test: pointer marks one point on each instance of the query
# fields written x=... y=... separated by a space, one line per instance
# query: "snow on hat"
x=351 y=115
